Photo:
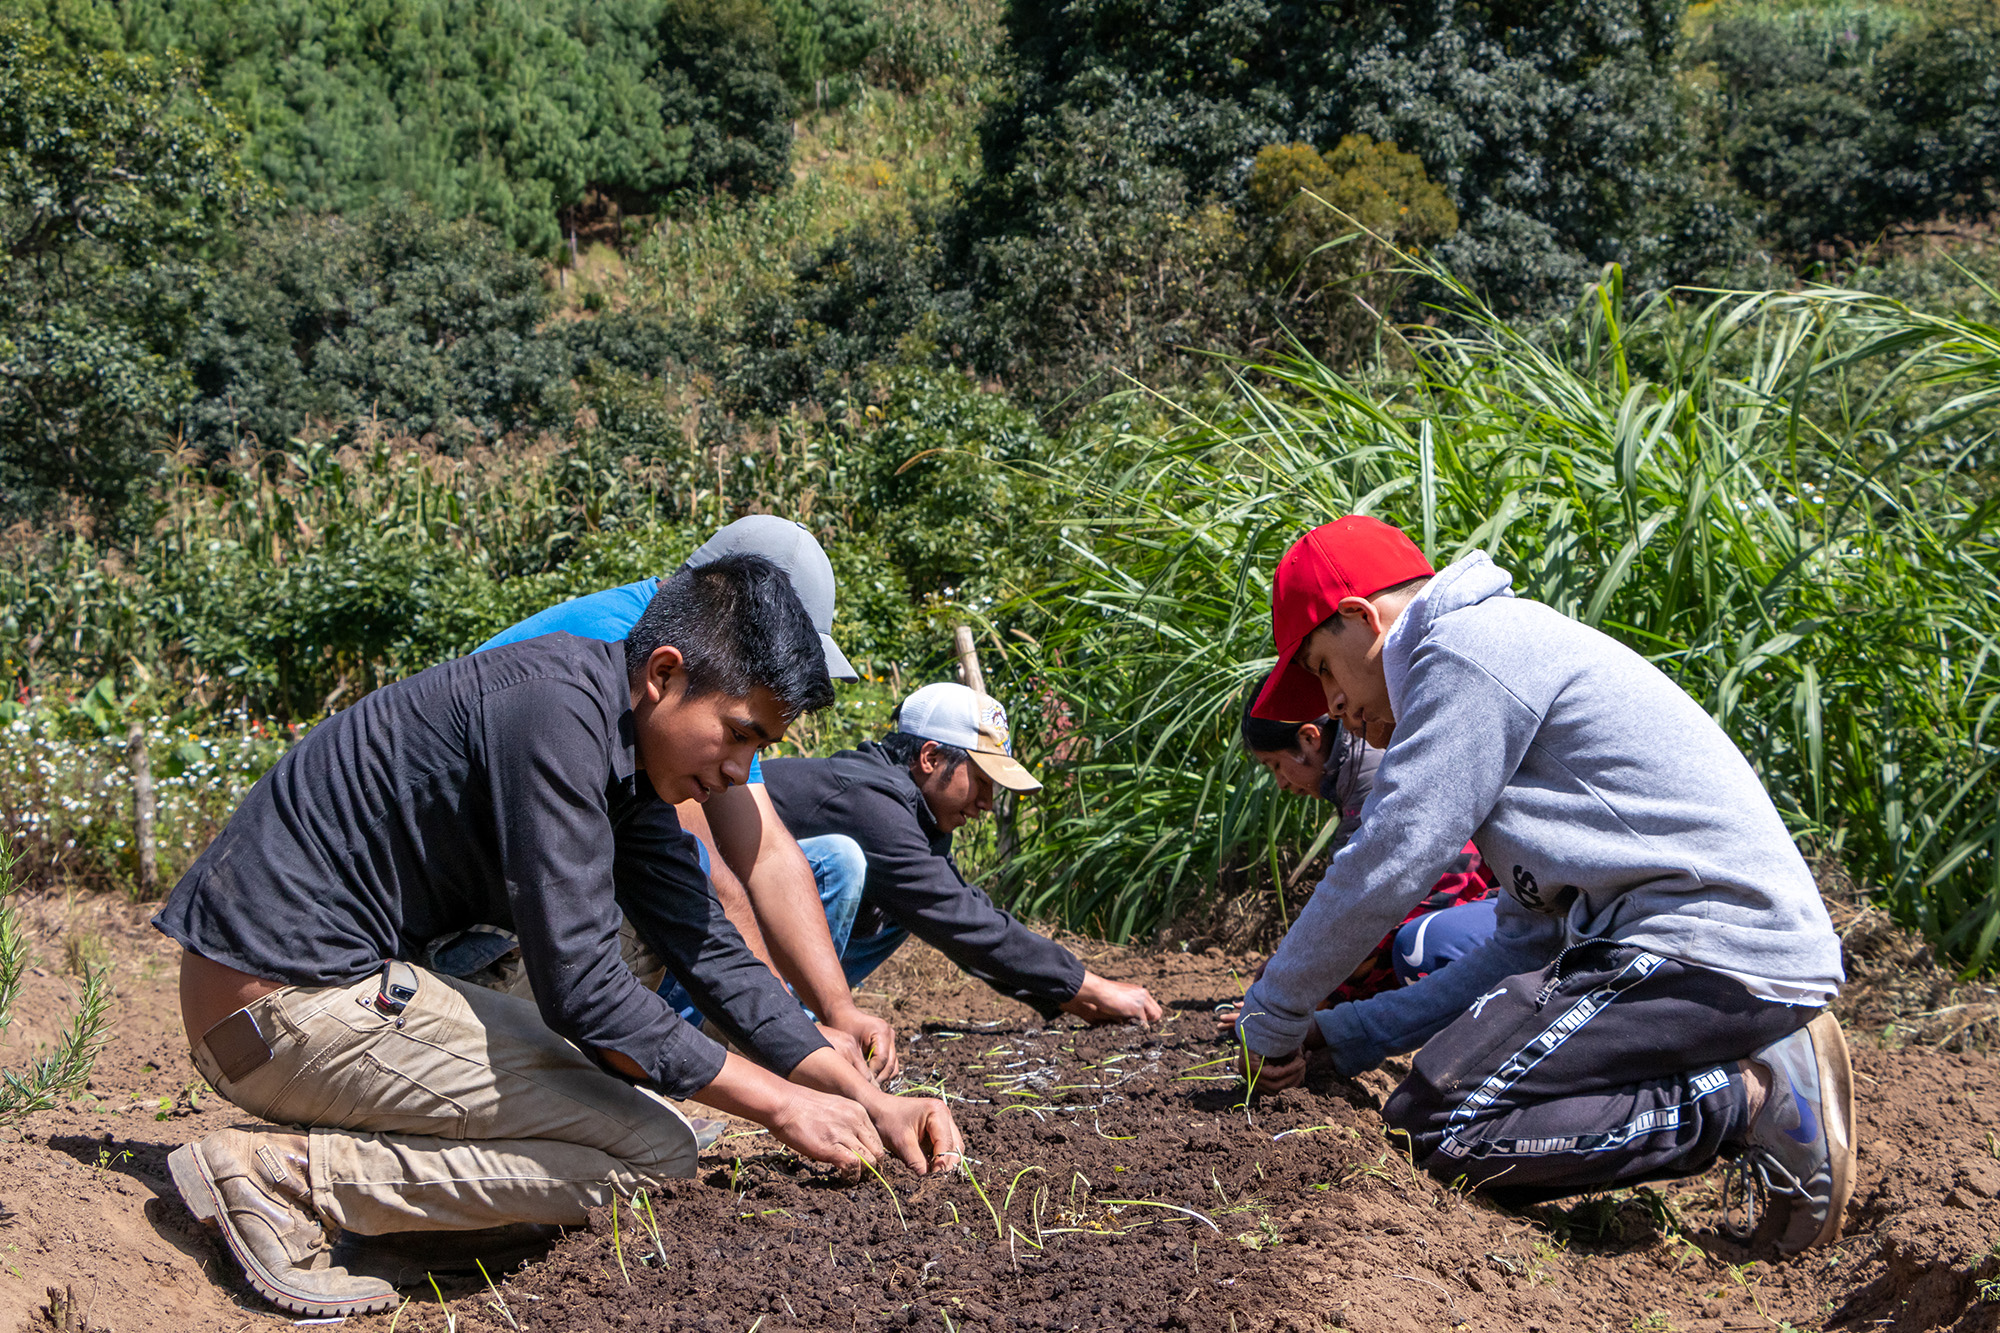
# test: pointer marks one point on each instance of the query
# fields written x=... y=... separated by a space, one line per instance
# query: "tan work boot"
x=256 y=1189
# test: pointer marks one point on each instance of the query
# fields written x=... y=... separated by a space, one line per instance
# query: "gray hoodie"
x=1605 y=800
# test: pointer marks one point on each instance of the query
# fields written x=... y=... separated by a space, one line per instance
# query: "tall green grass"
x=1784 y=500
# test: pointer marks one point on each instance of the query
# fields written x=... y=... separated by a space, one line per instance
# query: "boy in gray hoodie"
x=1654 y=993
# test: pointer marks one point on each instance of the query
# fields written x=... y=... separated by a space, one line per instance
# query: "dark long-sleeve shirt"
x=912 y=879
x=499 y=789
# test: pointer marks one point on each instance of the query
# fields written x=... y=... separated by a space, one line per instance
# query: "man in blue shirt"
x=763 y=880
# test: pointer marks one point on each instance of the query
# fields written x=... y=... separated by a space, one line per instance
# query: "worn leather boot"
x=255 y=1187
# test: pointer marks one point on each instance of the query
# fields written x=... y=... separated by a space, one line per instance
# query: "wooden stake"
x=143 y=810
x=969 y=673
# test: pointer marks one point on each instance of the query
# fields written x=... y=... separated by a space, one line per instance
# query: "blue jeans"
x=840 y=871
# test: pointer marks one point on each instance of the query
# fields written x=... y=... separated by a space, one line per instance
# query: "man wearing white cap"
x=763 y=881
x=877 y=824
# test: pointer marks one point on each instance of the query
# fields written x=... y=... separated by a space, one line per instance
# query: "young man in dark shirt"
x=876 y=824
x=527 y=788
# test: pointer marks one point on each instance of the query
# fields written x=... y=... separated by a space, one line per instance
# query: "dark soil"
x=1088 y=1146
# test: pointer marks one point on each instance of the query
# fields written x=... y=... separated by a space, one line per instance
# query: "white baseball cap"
x=976 y=723
x=793 y=549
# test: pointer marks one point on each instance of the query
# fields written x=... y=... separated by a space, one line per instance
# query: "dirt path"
x=1124 y=1187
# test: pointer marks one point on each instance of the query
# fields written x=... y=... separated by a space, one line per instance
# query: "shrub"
x=1766 y=496
x=395 y=316
x=115 y=173
x=1337 y=295
x=1548 y=125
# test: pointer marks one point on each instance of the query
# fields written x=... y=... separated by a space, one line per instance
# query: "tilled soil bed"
x=1118 y=1181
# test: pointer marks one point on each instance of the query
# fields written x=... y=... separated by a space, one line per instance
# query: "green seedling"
x=617 y=1243
x=980 y=1190
x=1075 y=1176
x=1013 y=1184
x=954 y=1214
x=498 y=1302
x=641 y=1199
x=396 y=1318
x=894 y=1202
x=759 y=1323
x=1127 y=1138
x=450 y=1320
x=1307 y=1129
x=1653 y=1321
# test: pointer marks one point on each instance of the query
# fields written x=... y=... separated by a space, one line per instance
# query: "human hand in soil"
x=827 y=1126
x=1100 y=1001
x=1273 y=1073
x=920 y=1131
x=848 y=1049
x=874 y=1038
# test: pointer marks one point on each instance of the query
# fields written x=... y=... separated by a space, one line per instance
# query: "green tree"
x=115 y=173
x=394 y=317
x=517 y=112
x=1332 y=284
x=1549 y=126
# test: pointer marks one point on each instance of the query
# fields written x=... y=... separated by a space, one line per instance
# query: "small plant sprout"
x=498 y=1302
x=894 y=1202
x=998 y=1232
x=396 y=1318
x=1075 y=1177
x=450 y=1320
x=1014 y=1184
x=617 y=1243
x=1250 y=1073
x=641 y=1199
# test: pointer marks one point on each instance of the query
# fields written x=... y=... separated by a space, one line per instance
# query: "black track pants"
x=1609 y=1067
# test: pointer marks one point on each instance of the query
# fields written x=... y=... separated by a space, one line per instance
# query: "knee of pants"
x=669 y=1150
x=839 y=866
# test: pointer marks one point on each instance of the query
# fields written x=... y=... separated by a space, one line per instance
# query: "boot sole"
x=1836 y=1095
x=197 y=1187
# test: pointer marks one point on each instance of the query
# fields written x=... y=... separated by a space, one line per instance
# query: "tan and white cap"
x=957 y=715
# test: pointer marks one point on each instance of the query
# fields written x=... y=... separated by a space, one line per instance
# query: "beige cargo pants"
x=463 y=1113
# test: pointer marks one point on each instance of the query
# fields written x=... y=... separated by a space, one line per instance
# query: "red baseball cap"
x=1349 y=557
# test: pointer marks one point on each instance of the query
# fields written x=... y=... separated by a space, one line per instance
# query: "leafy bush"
x=1843 y=120
x=1337 y=294
x=395 y=316
x=1549 y=126
x=511 y=113
x=115 y=172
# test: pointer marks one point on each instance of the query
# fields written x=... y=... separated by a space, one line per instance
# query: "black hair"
x=1332 y=622
x=738 y=625
x=903 y=749
x=1263 y=736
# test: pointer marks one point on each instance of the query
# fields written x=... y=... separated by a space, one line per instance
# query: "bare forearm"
x=825 y=1071
x=749 y=1090
x=779 y=884
x=729 y=891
